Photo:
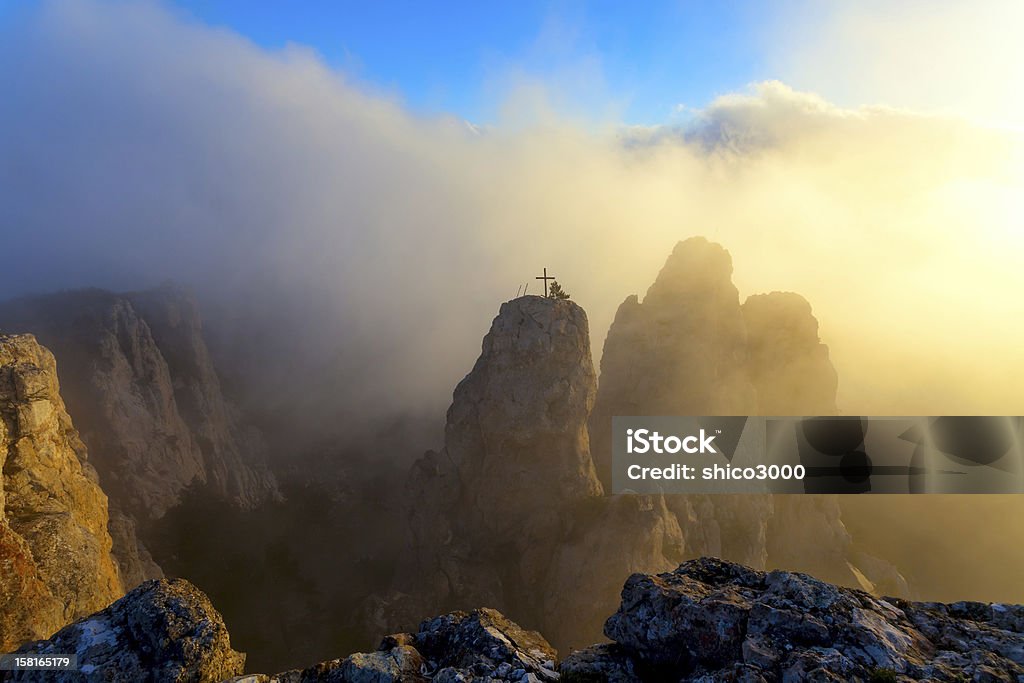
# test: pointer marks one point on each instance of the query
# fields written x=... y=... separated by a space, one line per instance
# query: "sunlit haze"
x=271 y=180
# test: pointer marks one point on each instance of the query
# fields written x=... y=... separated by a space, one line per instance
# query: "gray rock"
x=163 y=630
x=400 y=663
x=516 y=426
x=485 y=640
x=714 y=620
x=676 y=620
x=607 y=662
x=460 y=646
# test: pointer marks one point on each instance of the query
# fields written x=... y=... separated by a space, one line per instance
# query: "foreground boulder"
x=711 y=620
x=164 y=630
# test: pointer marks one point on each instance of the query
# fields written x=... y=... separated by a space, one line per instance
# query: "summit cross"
x=545 y=278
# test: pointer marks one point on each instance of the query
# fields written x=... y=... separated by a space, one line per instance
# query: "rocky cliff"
x=707 y=620
x=232 y=453
x=691 y=348
x=138 y=378
x=55 y=549
x=518 y=419
x=510 y=513
x=516 y=454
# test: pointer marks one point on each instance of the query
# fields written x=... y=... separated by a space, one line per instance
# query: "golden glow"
x=902 y=229
x=946 y=56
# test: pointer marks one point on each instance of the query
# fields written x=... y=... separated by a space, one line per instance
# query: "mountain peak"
x=696 y=267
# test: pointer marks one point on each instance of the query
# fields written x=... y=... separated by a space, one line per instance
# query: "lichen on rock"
x=163 y=630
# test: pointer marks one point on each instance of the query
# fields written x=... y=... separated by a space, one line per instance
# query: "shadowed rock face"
x=55 y=551
x=139 y=380
x=516 y=428
x=233 y=456
x=516 y=456
x=792 y=375
x=163 y=630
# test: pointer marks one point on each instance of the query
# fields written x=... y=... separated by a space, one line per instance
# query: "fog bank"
x=351 y=254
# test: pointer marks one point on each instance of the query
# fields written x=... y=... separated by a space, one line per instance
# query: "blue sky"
x=614 y=61
x=455 y=57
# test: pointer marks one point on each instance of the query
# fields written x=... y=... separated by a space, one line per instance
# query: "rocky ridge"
x=711 y=620
x=55 y=550
x=707 y=620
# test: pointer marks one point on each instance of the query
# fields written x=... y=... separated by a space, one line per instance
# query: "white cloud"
x=143 y=148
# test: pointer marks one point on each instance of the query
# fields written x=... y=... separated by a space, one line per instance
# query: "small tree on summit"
x=555 y=291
